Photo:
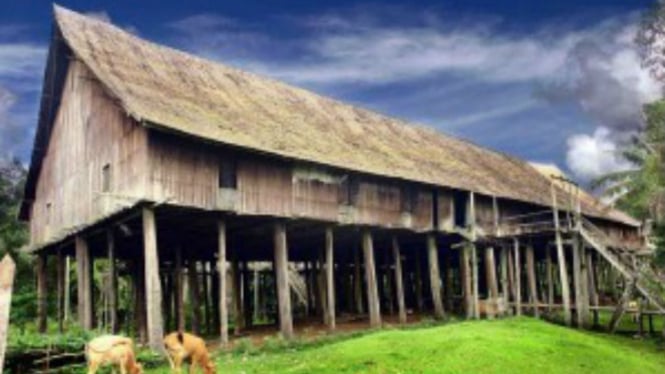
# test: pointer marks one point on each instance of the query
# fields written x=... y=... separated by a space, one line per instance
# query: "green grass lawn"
x=519 y=345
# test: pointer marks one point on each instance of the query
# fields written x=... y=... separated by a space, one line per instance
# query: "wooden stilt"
x=435 y=276
x=475 y=280
x=370 y=279
x=113 y=289
x=399 y=285
x=357 y=282
x=503 y=271
x=195 y=295
x=550 y=278
x=330 y=281
x=60 y=274
x=621 y=306
x=579 y=280
x=490 y=273
x=282 y=281
x=221 y=267
x=561 y=259
x=518 y=277
x=238 y=315
x=531 y=277
x=467 y=286
x=511 y=275
x=593 y=291
x=153 y=289
x=179 y=300
x=83 y=270
x=246 y=295
x=420 y=303
x=321 y=289
x=41 y=264
x=67 y=294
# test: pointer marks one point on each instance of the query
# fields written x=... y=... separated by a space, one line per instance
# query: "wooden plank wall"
x=89 y=132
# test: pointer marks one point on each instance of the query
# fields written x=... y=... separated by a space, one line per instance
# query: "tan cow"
x=181 y=346
x=117 y=351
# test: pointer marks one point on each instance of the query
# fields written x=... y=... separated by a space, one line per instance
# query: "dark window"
x=349 y=190
x=461 y=200
x=408 y=198
x=106 y=178
x=227 y=174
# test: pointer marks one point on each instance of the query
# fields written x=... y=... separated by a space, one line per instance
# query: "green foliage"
x=13 y=236
x=641 y=191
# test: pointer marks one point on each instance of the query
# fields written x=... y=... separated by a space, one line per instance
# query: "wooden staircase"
x=647 y=282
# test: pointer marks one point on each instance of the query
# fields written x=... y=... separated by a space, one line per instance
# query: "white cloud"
x=20 y=60
x=590 y=156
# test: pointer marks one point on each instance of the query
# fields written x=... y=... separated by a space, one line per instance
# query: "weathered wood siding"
x=484 y=214
x=90 y=131
x=186 y=173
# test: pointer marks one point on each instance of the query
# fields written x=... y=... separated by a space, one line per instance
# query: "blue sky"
x=555 y=81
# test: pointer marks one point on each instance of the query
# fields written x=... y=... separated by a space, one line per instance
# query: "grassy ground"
x=520 y=345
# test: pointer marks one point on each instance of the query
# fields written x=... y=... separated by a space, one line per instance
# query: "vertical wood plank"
x=370 y=280
x=561 y=259
x=113 y=287
x=330 y=281
x=60 y=275
x=399 y=284
x=179 y=294
x=467 y=287
x=475 y=280
x=40 y=265
x=503 y=269
x=221 y=266
x=531 y=277
x=195 y=295
x=550 y=278
x=490 y=278
x=435 y=276
x=518 y=277
x=282 y=280
x=84 y=286
x=357 y=282
x=153 y=289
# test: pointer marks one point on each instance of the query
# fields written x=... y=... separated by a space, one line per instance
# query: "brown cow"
x=112 y=350
x=181 y=346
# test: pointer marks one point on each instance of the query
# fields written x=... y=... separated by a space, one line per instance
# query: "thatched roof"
x=172 y=90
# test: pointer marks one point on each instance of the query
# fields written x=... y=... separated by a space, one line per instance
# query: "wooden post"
x=330 y=281
x=41 y=263
x=503 y=271
x=593 y=291
x=84 y=284
x=420 y=303
x=370 y=279
x=238 y=315
x=7 y=273
x=195 y=294
x=621 y=306
x=467 y=287
x=205 y=292
x=475 y=280
x=399 y=283
x=113 y=275
x=67 y=293
x=518 y=277
x=60 y=274
x=579 y=280
x=357 y=283
x=282 y=280
x=435 y=276
x=179 y=294
x=561 y=259
x=221 y=267
x=511 y=276
x=490 y=273
x=153 y=289
x=550 y=278
x=531 y=276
